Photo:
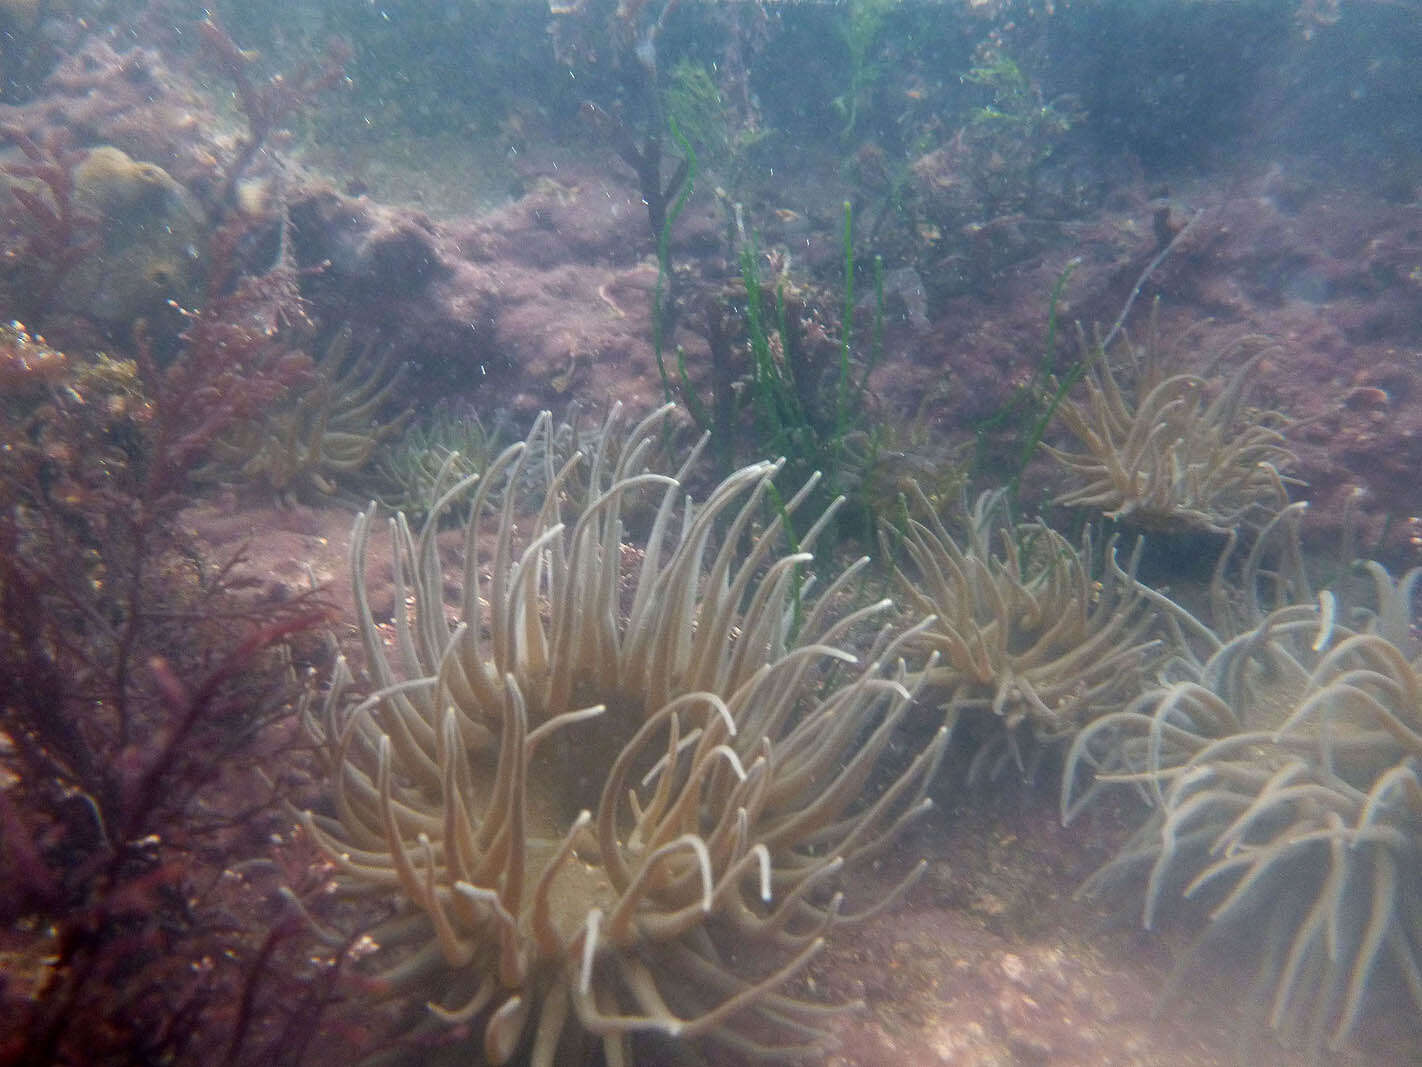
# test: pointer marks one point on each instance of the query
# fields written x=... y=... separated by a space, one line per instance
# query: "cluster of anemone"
x=324 y=433
x=1174 y=450
x=1031 y=633
x=620 y=780
x=618 y=777
x=1284 y=772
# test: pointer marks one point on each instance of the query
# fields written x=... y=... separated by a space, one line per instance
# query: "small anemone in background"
x=318 y=441
x=412 y=472
x=619 y=785
x=431 y=455
x=1174 y=451
x=1031 y=634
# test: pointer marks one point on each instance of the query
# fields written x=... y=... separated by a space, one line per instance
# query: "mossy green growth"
x=698 y=112
x=694 y=103
x=1011 y=135
x=776 y=392
x=861 y=31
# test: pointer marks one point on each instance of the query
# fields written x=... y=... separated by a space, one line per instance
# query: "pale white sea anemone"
x=1285 y=778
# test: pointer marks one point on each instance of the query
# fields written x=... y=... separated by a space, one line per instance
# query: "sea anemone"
x=324 y=430
x=1172 y=457
x=616 y=797
x=432 y=455
x=1284 y=778
x=1036 y=634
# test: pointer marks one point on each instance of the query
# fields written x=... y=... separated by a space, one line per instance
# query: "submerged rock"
x=150 y=236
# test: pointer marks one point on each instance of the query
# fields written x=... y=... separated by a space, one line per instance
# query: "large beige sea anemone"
x=615 y=782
